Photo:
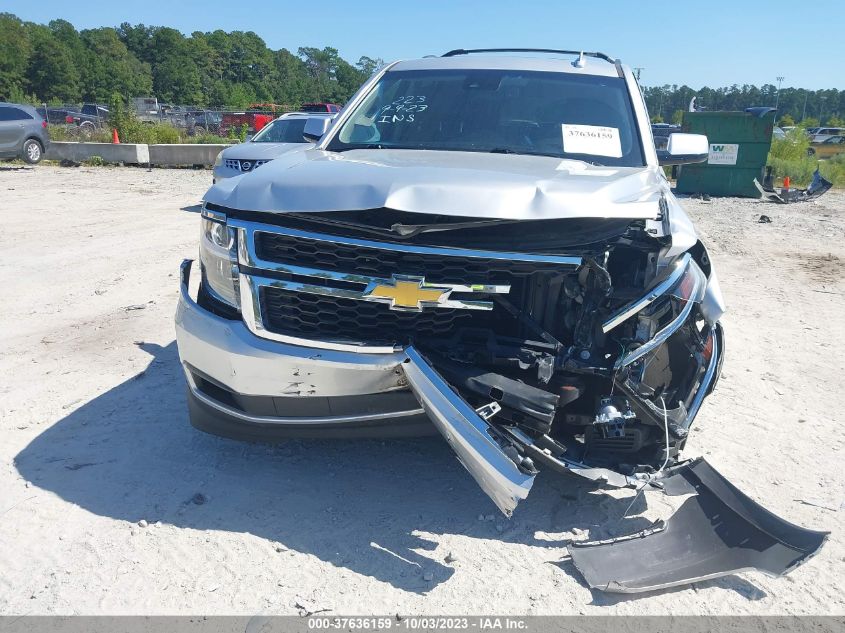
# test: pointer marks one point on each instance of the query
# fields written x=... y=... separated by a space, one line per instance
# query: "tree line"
x=827 y=107
x=56 y=63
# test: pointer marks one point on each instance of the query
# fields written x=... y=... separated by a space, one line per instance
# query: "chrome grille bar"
x=253 y=228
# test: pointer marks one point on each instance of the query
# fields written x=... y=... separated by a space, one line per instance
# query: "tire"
x=86 y=129
x=811 y=151
x=32 y=152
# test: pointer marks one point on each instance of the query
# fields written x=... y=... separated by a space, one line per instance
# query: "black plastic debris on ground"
x=716 y=532
x=817 y=187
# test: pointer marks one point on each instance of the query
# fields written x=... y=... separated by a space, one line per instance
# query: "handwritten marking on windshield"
x=402 y=110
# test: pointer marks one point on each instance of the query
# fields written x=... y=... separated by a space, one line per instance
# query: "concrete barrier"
x=136 y=154
x=131 y=153
x=184 y=154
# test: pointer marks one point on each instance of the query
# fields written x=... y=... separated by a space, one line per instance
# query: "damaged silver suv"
x=484 y=244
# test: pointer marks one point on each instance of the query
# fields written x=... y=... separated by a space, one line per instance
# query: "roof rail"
x=464 y=51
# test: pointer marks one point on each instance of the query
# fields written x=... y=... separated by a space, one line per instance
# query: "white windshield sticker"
x=596 y=140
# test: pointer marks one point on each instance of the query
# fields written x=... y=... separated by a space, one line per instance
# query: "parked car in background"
x=275 y=138
x=661 y=132
x=821 y=134
x=56 y=116
x=23 y=133
x=320 y=107
x=89 y=118
x=831 y=147
x=255 y=117
x=199 y=122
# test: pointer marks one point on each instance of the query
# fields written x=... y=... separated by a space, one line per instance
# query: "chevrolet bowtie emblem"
x=407 y=293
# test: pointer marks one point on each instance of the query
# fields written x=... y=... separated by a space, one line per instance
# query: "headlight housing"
x=219 y=160
x=218 y=258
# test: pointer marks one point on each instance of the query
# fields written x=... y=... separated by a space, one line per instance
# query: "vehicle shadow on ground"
x=367 y=506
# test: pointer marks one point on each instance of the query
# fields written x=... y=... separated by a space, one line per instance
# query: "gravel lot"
x=94 y=438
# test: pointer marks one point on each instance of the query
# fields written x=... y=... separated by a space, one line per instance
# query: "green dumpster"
x=739 y=148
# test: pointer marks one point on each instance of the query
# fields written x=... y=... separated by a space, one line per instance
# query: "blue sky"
x=714 y=43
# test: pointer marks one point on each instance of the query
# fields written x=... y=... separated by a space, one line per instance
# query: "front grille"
x=243 y=164
x=377 y=262
x=335 y=318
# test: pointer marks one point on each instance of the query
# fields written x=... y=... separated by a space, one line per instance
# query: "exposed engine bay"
x=598 y=363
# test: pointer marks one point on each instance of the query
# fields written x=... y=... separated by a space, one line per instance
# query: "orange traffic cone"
x=114 y=137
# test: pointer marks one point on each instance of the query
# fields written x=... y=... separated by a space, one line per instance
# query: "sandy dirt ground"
x=94 y=438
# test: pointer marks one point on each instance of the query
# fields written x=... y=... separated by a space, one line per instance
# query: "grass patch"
x=800 y=171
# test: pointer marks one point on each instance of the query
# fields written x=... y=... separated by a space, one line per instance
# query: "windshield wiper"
x=360 y=146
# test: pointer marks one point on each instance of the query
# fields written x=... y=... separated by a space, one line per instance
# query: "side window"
x=16 y=114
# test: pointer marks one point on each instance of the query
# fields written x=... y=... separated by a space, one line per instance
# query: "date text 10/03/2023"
x=413 y=623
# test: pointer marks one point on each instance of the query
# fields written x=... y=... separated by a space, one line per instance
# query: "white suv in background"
x=276 y=137
x=821 y=134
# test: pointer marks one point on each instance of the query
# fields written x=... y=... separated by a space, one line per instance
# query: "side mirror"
x=684 y=149
x=315 y=127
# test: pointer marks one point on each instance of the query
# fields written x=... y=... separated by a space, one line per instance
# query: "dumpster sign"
x=723 y=154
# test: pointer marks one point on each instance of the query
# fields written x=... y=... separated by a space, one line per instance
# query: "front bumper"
x=244 y=386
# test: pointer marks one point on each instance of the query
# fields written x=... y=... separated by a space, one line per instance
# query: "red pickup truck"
x=256 y=117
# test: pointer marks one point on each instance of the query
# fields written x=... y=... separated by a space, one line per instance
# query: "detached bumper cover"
x=717 y=532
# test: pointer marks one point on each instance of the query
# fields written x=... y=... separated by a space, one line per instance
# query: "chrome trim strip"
x=650 y=297
x=217 y=216
x=695 y=405
x=254 y=320
x=253 y=227
x=667 y=331
x=277 y=420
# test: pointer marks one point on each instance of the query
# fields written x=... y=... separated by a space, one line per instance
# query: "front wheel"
x=86 y=129
x=32 y=151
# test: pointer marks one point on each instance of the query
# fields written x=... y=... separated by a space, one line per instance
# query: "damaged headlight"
x=685 y=286
x=218 y=258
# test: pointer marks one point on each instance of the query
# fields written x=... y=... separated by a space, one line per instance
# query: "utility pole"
x=804 y=111
x=777 y=98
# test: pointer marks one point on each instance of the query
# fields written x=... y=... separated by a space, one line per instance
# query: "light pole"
x=777 y=98
x=804 y=112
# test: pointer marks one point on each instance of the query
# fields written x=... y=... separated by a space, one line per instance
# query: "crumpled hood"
x=259 y=151
x=455 y=183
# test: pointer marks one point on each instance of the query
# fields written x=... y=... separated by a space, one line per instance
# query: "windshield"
x=282 y=131
x=582 y=117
